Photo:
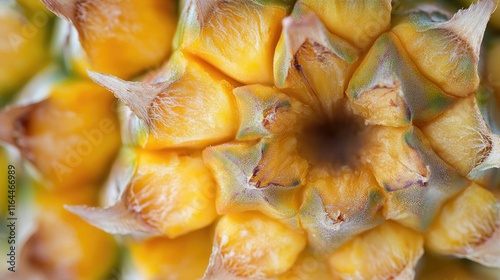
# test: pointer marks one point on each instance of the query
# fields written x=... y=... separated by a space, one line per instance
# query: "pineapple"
x=66 y=129
x=281 y=140
x=24 y=34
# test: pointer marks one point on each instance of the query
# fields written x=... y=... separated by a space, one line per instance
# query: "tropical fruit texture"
x=66 y=129
x=267 y=139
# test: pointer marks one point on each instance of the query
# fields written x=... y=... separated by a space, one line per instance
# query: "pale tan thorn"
x=62 y=8
x=470 y=24
x=139 y=96
x=201 y=8
x=115 y=219
x=11 y=122
x=492 y=160
x=308 y=27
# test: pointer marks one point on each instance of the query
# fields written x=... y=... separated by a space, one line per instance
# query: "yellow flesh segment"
x=173 y=193
x=250 y=244
x=359 y=22
x=308 y=266
x=443 y=57
x=385 y=252
x=457 y=135
x=344 y=193
x=394 y=163
x=464 y=222
x=71 y=138
x=185 y=257
x=264 y=110
x=324 y=72
x=388 y=108
x=124 y=37
x=197 y=110
x=22 y=48
x=89 y=252
x=242 y=51
x=280 y=164
x=387 y=88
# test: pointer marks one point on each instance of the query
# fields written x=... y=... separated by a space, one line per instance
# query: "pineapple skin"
x=217 y=165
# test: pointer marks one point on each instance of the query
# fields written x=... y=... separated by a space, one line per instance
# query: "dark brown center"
x=336 y=141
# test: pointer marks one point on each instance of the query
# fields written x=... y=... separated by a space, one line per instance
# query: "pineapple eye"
x=336 y=141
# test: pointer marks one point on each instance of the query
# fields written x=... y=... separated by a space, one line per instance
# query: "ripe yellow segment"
x=451 y=60
x=466 y=221
x=388 y=89
x=125 y=37
x=72 y=136
x=245 y=175
x=339 y=204
x=89 y=253
x=458 y=135
x=185 y=257
x=344 y=193
x=389 y=251
x=310 y=63
x=394 y=162
x=264 y=110
x=22 y=48
x=195 y=111
x=359 y=22
x=174 y=193
x=308 y=266
x=224 y=38
x=252 y=245
x=280 y=164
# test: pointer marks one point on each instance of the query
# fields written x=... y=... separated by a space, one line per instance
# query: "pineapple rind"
x=22 y=48
x=137 y=34
x=447 y=53
x=468 y=227
x=395 y=93
x=86 y=142
x=310 y=63
x=417 y=206
x=183 y=92
x=264 y=111
x=185 y=257
x=359 y=22
x=414 y=202
x=360 y=258
x=471 y=149
x=233 y=166
x=394 y=161
x=160 y=178
x=200 y=33
x=251 y=245
x=326 y=233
